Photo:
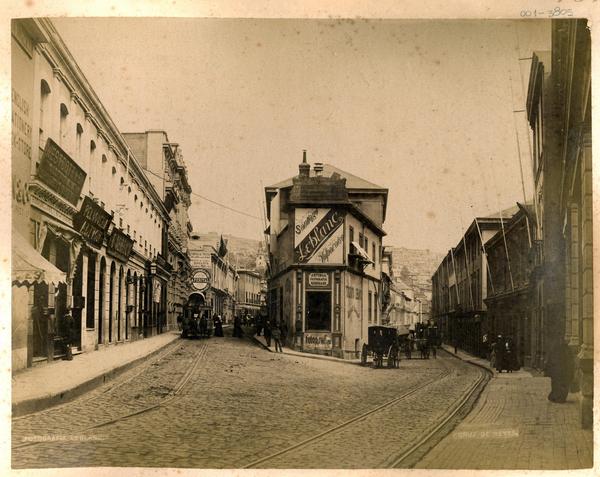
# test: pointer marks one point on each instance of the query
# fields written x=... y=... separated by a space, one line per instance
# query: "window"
x=351 y=234
x=44 y=102
x=374 y=256
x=366 y=245
x=375 y=306
x=92 y=163
x=369 y=306
x=62 y=132
x=361 y=239
x=78 y=135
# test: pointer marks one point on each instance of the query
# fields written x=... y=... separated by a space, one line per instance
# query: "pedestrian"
x=267 y=332
x=455 y=346
x=218 y=326
x=67 y=333
x=237 y=327
x=259 y=325
x=276 y=333
x=560 y=367
x=493 y=355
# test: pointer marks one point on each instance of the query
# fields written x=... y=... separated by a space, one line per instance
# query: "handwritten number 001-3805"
x=554 y=13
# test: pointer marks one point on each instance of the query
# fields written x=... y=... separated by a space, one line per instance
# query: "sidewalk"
x=514 y=426
x=40 y=387
x=262 y=342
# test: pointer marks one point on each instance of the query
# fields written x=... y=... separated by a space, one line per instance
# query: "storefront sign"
x=317 y=341
x=58 y=171
x=119 y=245
x=201 y=279
x=92 y=222
x=318 y=279
x=200 y=258
x=318 y=236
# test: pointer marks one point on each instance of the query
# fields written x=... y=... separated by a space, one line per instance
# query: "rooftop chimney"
x=318 y=168
x=304 y=168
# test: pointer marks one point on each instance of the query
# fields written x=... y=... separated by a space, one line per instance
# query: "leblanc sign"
x=319 y=236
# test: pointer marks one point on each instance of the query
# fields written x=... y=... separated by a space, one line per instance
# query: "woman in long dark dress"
x=218 y=326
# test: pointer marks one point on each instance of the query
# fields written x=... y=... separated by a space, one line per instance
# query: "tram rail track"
x=173 y=394
x=95 y=394
x=423 y=445
x=397 y=460
x=351 y=421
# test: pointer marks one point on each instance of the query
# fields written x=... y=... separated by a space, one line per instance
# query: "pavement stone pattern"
x=514 y=426
x=242 y=403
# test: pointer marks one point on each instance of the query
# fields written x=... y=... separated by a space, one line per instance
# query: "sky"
x=423 y=108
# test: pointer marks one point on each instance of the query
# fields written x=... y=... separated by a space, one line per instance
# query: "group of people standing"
x=276 y=332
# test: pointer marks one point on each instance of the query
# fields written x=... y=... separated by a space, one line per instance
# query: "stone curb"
x=470 y=361
x=305 y=355
x=29 y=406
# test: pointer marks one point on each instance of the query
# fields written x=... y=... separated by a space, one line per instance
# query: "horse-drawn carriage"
x=426 y=339
x=382 y=344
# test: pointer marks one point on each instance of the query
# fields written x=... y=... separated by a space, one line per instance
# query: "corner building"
x=325 y=250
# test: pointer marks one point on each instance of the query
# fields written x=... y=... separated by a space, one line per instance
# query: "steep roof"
x=503 y=214
x=352 y=181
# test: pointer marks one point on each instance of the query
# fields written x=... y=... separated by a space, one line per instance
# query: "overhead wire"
x=213 y=201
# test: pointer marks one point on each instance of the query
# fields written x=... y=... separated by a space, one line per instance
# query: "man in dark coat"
x=237 y=327
x=267 y=332
x=560 y=368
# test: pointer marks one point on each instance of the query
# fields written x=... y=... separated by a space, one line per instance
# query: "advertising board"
x=319 y=236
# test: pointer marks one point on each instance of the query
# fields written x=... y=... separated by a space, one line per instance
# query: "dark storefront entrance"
x=318 y=310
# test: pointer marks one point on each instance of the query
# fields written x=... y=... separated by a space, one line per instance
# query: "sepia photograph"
x=293 y=242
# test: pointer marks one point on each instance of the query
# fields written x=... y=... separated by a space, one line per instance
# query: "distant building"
x=325 y=257
x=219 y=296
x=460 y=285
x=248 y=293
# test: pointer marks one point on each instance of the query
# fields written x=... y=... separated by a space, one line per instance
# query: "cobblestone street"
x=242 y=404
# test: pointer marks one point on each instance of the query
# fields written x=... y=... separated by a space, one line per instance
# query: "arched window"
x=63 y=132
x=92 y=164
x=101 y=299
x=78 y=136
x=44 y=103
x=111 y=300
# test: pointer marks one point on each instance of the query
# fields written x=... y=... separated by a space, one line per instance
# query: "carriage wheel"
x=363 y=355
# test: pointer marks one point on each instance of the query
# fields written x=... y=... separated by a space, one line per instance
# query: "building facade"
x=559 y=113
x=210 y=260
x=163 y=161
x=460 y=284
x=325 y=249
x=84 y=204
x=509 y=296
x=248 y=293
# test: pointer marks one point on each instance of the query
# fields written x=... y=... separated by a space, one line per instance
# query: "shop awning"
x=360 y=252
x=29 y=267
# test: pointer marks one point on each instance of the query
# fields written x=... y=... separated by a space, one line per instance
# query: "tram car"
x=197 y=324
x=382 y=344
